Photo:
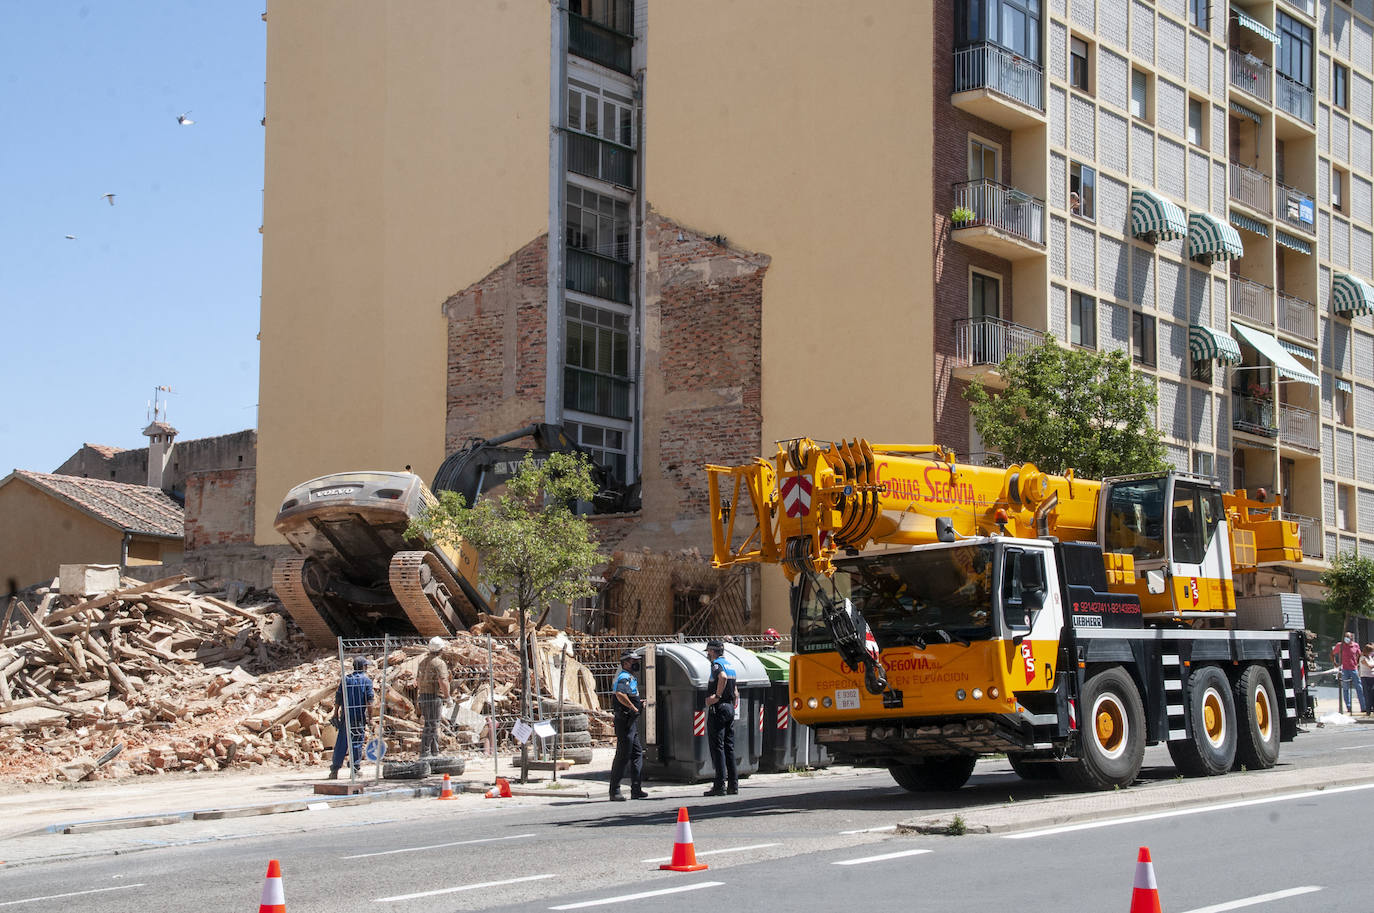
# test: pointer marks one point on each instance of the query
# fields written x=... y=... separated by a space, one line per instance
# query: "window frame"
x=1084 y=63
x=1340 y=85
x=1077 y=335
x=981 y=277
x=987 y=146
x=1199 y=14
x=1086 y=192
x=1146 y=83
x=990 y=29
x=1202 y=122
x=1296 y=38
x=1144 y=339
x=1339 y=180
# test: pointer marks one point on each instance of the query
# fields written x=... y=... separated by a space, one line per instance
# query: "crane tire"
x=944 y=773
x=1210 y=749
x=1029 y=767
x=1258 y=712
x=1112 y=734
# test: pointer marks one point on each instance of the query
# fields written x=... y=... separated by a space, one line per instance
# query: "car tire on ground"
x=574 y=738
x=405 y=770
x=446 y=765
x=578 y=754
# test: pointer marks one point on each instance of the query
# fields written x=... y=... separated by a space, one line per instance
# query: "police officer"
x=720 y=721
x=361 y=694
x=628 y=749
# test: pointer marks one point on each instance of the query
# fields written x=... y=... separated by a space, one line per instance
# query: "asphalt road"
x=779 y=845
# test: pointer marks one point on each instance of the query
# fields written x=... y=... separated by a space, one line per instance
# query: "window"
x=1140 y=94
x=1082 y=191
x=606 y=445
x=1204 y=464
x=1197 y=128
x=1345 y=517
x=985 y=293
x=1197 y=13
x=1337 y=188
x=1193 y=521
x=1344 y=405
x=600 y=112
x=982 y=161
x=1294 y=51
x=1340 y=82
x=596 y=364
x=598 y=223
x=1083 y=321
x=1202 y=371
x=1142 y=339
x=1013 y=24
x=1078 y=63
x=1023 y=586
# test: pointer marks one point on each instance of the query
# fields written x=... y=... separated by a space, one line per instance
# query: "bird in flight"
x=108 y=198
x=71 y=237
x=185 y=119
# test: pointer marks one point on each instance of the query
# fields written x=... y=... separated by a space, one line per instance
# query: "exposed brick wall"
x=238 y=450
x=219 y=508
x=952 y=259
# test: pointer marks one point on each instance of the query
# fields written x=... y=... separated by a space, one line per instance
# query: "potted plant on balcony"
x=961 y=216
x=1257 y=391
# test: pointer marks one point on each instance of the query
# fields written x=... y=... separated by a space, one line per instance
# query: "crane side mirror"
x=1154 y=581
x=1032 y=572
x=944 y=529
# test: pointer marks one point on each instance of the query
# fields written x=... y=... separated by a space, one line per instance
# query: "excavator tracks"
x=433 y=601
x=288 y=580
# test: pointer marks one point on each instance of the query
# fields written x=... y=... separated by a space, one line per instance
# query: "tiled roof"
x=132 y=508
x=105 y=450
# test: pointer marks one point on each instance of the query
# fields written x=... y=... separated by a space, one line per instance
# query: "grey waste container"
x=786 y=743
x=681 y=751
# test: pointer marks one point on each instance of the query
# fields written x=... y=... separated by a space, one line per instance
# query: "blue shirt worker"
x=720 y=721
x=629 y=751
x=360 y=696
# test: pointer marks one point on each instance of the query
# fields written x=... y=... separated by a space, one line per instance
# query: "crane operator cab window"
x=1024 y=590
x=1135 y=518
x=1195 y=516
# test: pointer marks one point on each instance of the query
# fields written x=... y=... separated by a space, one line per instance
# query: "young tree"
x=1350 y=585
x=1068 y=408
x=531 y=543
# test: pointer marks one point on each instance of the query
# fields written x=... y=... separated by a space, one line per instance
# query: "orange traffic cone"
x=273 y=900
x=684 y=852
x=501 y=790
x=447 y=791
x=1145 y=896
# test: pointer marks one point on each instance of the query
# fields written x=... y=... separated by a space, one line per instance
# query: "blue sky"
x=163 y=287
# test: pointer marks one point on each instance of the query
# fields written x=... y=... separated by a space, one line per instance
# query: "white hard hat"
x=436 y=644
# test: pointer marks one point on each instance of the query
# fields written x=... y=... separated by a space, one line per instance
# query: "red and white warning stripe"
x=784 y=717
x=699 y=722
x=760 y=718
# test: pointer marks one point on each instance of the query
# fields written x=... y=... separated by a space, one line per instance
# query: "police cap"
x=716 y=645
x=629 y=656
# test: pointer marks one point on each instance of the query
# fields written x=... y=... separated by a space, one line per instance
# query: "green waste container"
x=786 y=743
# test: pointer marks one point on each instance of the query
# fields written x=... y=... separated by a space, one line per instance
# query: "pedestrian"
x=720 y=721
x=1367 y=678
x=360 y=697
x=1346 y=657
x=629 y=751
x=431 y=682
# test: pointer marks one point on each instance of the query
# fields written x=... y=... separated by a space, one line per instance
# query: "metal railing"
x=598 y=43
x=1295 y=98
x=1291 y=204
x=1250 y=74
x=601 y=159
x=989 y=340
x=1253 y=301
x=1309 y=533
x=594 y=274
x=1251 y=188
x=1003 y=208
x=1298 y=317
x=1308 y=7
x=987 y=66
x=1253 y=415
x=1299 y=427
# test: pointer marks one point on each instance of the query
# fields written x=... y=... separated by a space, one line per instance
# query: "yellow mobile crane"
x=944 y=610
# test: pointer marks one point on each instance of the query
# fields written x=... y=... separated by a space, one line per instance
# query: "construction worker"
x=360 y=697
x=629 y=751
x=431 y=681
x=720 y=721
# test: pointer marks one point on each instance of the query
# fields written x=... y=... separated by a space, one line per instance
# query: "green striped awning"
x=1292 y=243
x=1209 y=237
x=1292 y=348
x=1243 y=221
x=1238 y=108
x=1153 y=215
x=1351 y=296
x=1205 y=343
x=1344 y=386
x=1254 y=25
x=1270 y=348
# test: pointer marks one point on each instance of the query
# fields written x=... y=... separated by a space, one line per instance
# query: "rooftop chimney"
x=160 y=436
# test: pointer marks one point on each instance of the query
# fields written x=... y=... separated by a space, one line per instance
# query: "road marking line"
x=1174 y=813
x=464 y=887
x=122 y=887
x=437 y=846
x=626 y=897
x=1257 y=899
x=1356 y=747
x=733 y=849
x=881 y=858
x=871 y=830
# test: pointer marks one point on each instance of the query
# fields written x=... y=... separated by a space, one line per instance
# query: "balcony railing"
x=987 y=66
x=1254 y=416
x=1298 y=317
x=597 y=43
x=1304 y=6
x=1295 y=207
x=1295 y=98
x=1309 y=533
x=599 y=158
x=1299 y=428
x=989 y=340
x=1250 y=74
x=1252 y=301
x=596 y=275
x=1251 y=188
x=1003 y=208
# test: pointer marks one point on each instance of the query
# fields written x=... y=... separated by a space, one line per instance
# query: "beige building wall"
x=435 y=118
x=50 y=533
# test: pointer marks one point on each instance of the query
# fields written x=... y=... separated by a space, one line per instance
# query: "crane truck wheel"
x=1031 y=767
x=1211 y=748
x=933 y=775
x=1258 y=713
x=1112 y=736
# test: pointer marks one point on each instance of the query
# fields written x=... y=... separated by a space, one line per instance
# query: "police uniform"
x=720 y=723
x=629 y=751
x=360 y=694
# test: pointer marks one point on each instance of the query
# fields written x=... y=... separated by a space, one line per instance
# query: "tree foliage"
x=531 y=543
x=1068 y=408
x=1350 y=584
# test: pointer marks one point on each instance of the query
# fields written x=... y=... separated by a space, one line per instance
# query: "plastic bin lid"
x=691 y=658
x=777 y=664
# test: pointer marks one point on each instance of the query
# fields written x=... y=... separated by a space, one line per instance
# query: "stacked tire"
x=577 y=740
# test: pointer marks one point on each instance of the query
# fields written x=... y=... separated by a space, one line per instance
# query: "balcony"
x=1251 y=188
x=1299 y=428
x=1306 y=7
x=998 y=86
x=983 y=343
x=601 y=159
x=1250 y=75
x=1296 y=208
x=1006 y=222
x=599 y=44
x=1253 y=415
x=594 y=274
x=1252 y=301
x=1309 y=533
x=1296 y=99
x=1298 y=317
